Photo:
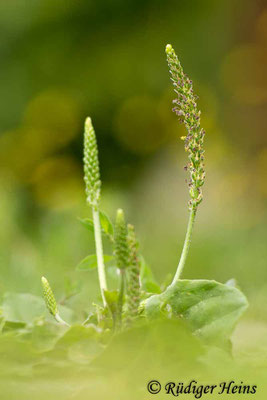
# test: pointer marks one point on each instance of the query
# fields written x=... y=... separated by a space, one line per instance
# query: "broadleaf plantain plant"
x=211 y=309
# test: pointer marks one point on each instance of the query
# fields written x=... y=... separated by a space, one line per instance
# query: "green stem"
x=60 y=320
x=99 y=255
x=121 y=292
x=187 y=242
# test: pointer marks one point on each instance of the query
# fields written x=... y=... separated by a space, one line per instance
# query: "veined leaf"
x=22 y=307
x=148 y=282
x=90 y=262
x=210 y=308
x=106 y=224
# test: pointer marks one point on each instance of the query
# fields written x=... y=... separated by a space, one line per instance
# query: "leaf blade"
x=89 y=263
x=211 y=309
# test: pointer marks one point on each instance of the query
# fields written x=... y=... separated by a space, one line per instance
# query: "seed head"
x=186 y=109
x=49 y=297
x=91 y=165
x=121 y=246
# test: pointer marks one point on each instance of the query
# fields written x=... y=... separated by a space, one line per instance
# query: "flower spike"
x=133 y=274
x=91 y=165
x=49 y=297
x=50 y=302
x=188 y=113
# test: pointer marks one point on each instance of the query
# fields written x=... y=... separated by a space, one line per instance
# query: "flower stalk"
x=186 y=246
x=188 y=113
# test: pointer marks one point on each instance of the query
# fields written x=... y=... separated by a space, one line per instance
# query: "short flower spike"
x=49 y=297
x=91 y=165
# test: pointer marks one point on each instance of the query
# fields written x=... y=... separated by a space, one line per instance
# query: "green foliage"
x=90 y=262
x=22 y=307
x=210 y=308
x=159 y=325
x=148 y=282
x=106 y=225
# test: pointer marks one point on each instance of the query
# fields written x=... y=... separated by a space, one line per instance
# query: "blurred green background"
x=63 y=60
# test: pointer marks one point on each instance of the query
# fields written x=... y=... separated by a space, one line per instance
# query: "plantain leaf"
x=22 y=307
x=211 y=309
x=90 y=262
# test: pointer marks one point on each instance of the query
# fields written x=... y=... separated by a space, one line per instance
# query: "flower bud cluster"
x=186 y=109
x=49 y=297
x=91 y=165
x=133 y=274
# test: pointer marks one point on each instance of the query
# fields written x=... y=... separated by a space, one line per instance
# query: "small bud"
x=168 y=49
x=49 y=297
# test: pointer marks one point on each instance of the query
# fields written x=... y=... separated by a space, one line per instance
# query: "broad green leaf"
x=148 y=283
x=90 y=262
x=211 y=309
x=106 y=224
x=22 y=307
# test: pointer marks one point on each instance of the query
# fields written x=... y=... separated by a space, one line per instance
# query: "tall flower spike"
x=91 y=165
x=187 y=111
x=121 y=247
x=133 y=275
x=50 y=302
x=92 y=189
